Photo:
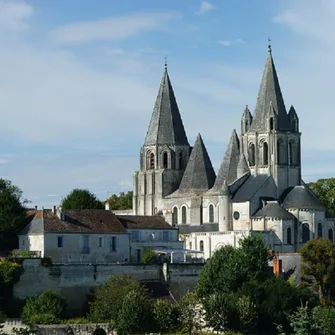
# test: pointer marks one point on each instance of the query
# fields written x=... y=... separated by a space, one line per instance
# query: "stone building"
x=258 y=188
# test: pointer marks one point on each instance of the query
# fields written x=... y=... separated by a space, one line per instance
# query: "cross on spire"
x=269 y=45
x=165 y=62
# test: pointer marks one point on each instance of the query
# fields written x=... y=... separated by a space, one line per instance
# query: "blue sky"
x=78 y=81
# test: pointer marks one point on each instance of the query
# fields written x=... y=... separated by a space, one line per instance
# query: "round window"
x=236 y=215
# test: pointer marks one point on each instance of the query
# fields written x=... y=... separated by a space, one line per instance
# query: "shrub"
x=166 y=315
x=10 y=272
x=148 y=256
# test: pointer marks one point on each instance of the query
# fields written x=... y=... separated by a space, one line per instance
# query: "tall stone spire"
x=199 y=175
x=166 y=126
x=269 y=92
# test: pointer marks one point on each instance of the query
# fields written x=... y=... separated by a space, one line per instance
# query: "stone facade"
x=258 y=187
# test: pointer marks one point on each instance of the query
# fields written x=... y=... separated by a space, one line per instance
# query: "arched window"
x=190 y=245
x=289 y=235
x=271 y=123
x=165 y=160
x=280 y=152
x=183 y=215
x=320 y=232
x=150 y=160
x=180 y=161
x=305 y=232
x=290 y=153
x=175 y=216
x=201 y=246
x=211 y=213
x=265 y=154
x=330 y=235
x=251 y=154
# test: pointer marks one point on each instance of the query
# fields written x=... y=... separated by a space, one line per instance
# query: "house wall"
x=73 y=248
x=32 y=242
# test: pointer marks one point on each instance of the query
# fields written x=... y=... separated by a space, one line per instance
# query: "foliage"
x=318 y=268
x=48 y=306
x=109 y=298
x=221 y=312
x=81 y=199
x=303 y=322
x=148 y=256
x=247 y=314
x=3 y=316
x=136 y=313
x=23 y=253
x=10 y=272
x=166 y=315
x=325 y=317
x=12 y=214
x=229 y=267
x=191 y=317
x=76 y=321
x=324 y=189
x=121 y=201
x=46 y=262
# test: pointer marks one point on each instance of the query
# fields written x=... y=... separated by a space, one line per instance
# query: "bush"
x=166 y=315
x=76 y=321
x=47 y=307
x=135 y=315
x=148 y=256
x=10 y=272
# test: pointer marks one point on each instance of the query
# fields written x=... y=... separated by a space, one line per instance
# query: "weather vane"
x=269 y=46
x=165 y=64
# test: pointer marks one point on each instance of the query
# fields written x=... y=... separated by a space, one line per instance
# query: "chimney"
x=36 y=208
x=107 y=207
x=60 y=213
x=277 y=266
x=54 y=210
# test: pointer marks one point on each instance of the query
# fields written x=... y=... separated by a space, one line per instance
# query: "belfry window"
x=151 y=161
x=180 y=161
x=183 y=215
x=251 y=154
x=165 y=160
x=271 y=123
x=265 y=154
x=320 y=230
x=211 y=213
x=280 y=152
x=175 y=216
x=291 y=152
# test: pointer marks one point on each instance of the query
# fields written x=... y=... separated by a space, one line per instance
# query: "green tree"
x=303 y=322
x=121 y=201
x=109 y=298
x=318 y=268
x=136 y=314
x=10 y=272
x=230 y=267
x=81 y=199
x=148 y=256
x=324 y=189
x=247 y=314
x=166 y=315
x=13 y=216
x=191 y=316
x=47 y=306
x=325 y=318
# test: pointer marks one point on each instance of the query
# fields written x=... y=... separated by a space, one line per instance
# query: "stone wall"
x=76 y=282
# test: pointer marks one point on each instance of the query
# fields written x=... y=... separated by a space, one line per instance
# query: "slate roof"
x=302 y=197
x=252 y=184
x=166 y=126
x=144 y=222
x=242 y=166
x=274 y=210
x=269 y=92
x=228 y=168
x=199 y=175
x=204 y=228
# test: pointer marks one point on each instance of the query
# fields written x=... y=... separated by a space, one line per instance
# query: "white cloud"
x=205 y=7
x=13 y=14
x=115 y=28
x=227 y=43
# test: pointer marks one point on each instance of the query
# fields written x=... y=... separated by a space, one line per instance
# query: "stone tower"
x=164 y=154
x=271 y=137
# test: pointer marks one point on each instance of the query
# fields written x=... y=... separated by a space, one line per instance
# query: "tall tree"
x=81 y=199
x=13 y=216
x=324 y=189
x=121 y=201
x=318 y=268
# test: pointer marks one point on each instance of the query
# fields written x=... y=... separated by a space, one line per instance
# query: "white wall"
x=32 y=243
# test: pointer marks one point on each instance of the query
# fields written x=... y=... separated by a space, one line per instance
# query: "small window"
x=190 y=245
x=100 y=242
x=265 y=154
x=135 y=235
x=251 y=154
x=152 y=161
x=183 y=215
x=23 y=241
x=166 y=236
x=289 y=235
x=330 y=235
x=201 y=246
x=305 y=232
x=165 y=160
x=320 y=228
x=112 y=243
x=180 y=161
x=271 y=123
x=60 y=241
x=211 y=213
x=175 y=216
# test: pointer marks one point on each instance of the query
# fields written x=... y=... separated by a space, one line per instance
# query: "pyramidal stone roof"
x=242 y=166
x=166 y=126
x=199 y=175
x=228 y=168
x=269 y=92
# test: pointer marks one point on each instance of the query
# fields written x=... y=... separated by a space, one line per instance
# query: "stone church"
x=258 y=188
